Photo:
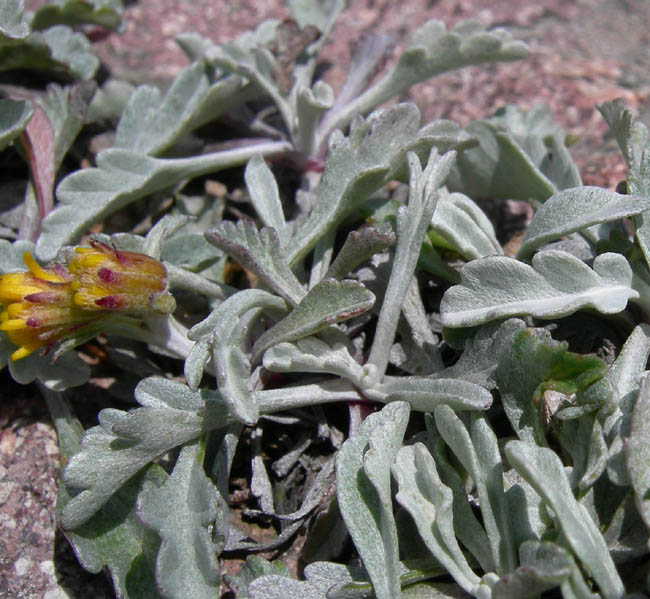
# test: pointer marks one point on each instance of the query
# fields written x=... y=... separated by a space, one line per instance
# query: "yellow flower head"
x=38 y=306
x=43 y=306
x=106 y=278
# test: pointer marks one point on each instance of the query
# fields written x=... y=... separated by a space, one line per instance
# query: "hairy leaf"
x=475 y=445
x=576 y=209
x=226 y=336
x=432 y=51
x=123 y=443
x=637 y=452
x=263 y=189
x=543 y=469
x=254 y=567
x=631 y=134
x=314 y=355
x=360 y=246
x=66 y=372
x=271 y=401
x=14 y=115
x=322 y=580
x=364 y=494
x=105 y=13
x=13 y=28
x=325 y=304
x=261 y=253
x=619 y=389
x=468 y=528
x=356 y=166
x=319 y=14
x=66 y=108
x=460 y=225
x=543 y=566
x=481 y=355
x=58 y=49
x=557 y=284
x=70 y=49
x=151 y=123
x=423 y=394
x=412 y=223
x=113 y=538
x=121 y=177
x=512 y=159
x=534 y=364
x=182 y=511
x=429 y=502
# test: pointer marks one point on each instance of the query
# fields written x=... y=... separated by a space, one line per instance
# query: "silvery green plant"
x=482 y=456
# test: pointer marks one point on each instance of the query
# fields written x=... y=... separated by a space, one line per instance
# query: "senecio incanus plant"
x=361 y=307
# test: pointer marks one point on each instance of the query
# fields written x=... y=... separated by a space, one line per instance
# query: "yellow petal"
x=14 y=324
x=21 y=353
x=39 y=272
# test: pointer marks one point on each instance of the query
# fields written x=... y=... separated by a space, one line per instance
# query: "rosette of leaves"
x=525 y=472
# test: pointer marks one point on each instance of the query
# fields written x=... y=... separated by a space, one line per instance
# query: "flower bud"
x=101 y=285
x=106 y=278
x=38 y=307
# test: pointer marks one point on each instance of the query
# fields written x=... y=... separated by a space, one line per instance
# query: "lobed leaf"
x=576 y=209
x=182 y=511
x=222 y=331
x=482 y=353
x=620 y=388
x=364 y=494
x=314 y=355
x=325 y=304
x=13 y=27
x=265 y=196
x=66 y=109
x=513 y=159
x=321 y=15
x=424 y=394
x=557 y=284
x=104 y=13
x=150 y=123
x=432 y=51
x=475 y=445
x=67 y=371
x=254 y=567
x=70 y=49
x=126 y=442
x=429 y=502
x=543 y=469
x=58 y=48
x=412 y=223
x=360 y=246
x=543 y=566
x=631 y=134
x=113 y=538
x=460 y=225
x=121 y=177
x=260 y=252
x=356 y=166
x=469 y=530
